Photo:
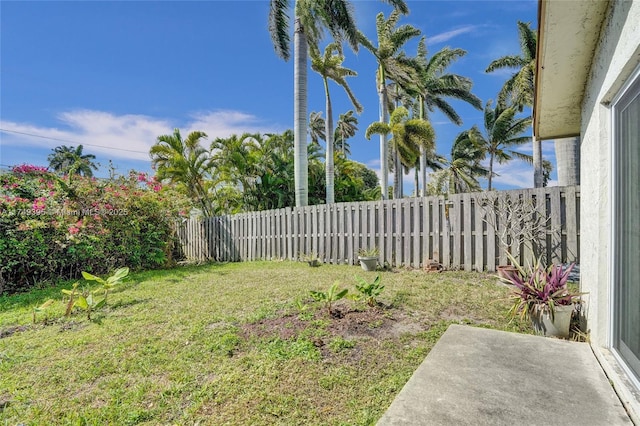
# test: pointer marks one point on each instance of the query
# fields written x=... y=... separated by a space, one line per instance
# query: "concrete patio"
x=476 y=376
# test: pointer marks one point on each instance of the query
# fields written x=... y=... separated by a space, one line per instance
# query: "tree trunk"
x=537 y=163
x=423 y=154
x=300 y=166
x=396 y=174
x=490 y=170
x=384 y=118
x=329 y=139
x=568 y=161
x=416 y=181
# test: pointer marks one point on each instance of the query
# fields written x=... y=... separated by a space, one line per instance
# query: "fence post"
x=405 y=231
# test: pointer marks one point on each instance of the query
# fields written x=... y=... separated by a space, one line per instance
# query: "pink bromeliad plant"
x=538 y=289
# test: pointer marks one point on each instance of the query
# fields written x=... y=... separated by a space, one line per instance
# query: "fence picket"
x=458 y=231
x=571 y=217
x=467 y=231
x=417 y=231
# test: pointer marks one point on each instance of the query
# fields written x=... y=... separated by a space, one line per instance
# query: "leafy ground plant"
x=164 y=358
x=85 y=299
x=73 y=295
x=88 y=303
x=369 y=291
x=42 y=308
x=330 y=296
x=110 y=283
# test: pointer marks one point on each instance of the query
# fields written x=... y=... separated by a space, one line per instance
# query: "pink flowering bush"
x=53 y=228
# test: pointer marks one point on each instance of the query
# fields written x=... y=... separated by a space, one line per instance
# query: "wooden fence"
x=463 y=231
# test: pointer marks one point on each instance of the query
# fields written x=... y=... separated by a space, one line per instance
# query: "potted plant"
x=368 y=258
x=312 y=259
x=541 y=295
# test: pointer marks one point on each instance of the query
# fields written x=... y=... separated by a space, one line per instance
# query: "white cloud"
x=373 y=164
x=548 y=149
x=516 y=174
x=448 y=35
x=126 y=136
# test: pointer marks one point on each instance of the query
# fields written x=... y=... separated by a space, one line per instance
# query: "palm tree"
x=329 y=66
x=68 y=160
x=435 y=86
x=399 y=96
x=187 y=164
x=391 y=65
x=234 y=160
x=316 y=127
x=408 y=136
x=503 y=131
x=311 y=18
x=520 y=87
x=460 y=173
x=346 y=128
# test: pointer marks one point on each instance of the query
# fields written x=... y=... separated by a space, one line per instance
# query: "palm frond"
x=377 y=128
x=528 y=40
x=511 y=61
x=399 y=5
x=522 y=156
x=279 y=27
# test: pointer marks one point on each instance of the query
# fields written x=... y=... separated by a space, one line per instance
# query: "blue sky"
x=115 y=75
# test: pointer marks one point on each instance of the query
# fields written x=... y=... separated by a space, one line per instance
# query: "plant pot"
x=556 y=327
x=368 y=263
x=313 y=263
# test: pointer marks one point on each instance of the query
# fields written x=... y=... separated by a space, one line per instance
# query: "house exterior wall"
x=615 y=59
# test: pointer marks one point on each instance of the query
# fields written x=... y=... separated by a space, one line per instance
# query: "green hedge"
x=53 y=228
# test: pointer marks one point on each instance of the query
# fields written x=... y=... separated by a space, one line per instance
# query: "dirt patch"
x=375 y=322
x=347 y=332
x=13 y=330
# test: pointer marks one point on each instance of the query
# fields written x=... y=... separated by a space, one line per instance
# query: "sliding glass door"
x=626 y=224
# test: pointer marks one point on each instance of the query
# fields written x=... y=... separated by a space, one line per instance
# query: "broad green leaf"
x=121 y=273
x=82 y=303
x=342 y=294
x=45 y=304
x=87 y=276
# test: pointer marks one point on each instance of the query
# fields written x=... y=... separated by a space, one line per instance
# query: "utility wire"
x=68 y=141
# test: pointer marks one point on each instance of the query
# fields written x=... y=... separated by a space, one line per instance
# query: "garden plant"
x=53 y=227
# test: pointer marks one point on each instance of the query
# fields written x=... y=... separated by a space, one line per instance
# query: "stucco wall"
x=616 y=57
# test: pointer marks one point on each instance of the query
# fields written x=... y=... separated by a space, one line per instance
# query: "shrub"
x=51 y=228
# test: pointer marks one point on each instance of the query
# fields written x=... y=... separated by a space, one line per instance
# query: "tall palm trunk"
x=384 y=118
x=300 y=115
x=423 y=156
x=490 y=170
x=397 y=175
x=329 y=135
x=537 y=162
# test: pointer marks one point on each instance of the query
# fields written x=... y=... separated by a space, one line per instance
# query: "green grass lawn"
x=236 y=344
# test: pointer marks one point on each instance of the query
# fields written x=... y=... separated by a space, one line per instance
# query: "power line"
x=68 y=141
